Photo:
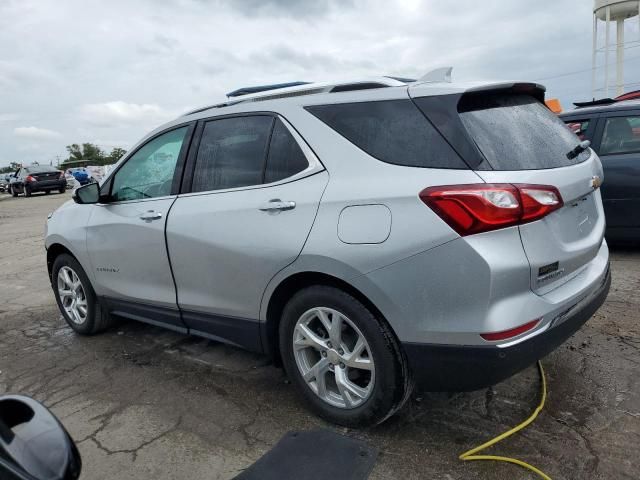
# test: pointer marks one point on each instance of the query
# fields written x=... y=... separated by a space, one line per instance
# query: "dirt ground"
x=145 y=403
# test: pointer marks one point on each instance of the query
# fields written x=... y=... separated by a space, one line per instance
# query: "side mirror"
x=89 y=193
x=33 y=443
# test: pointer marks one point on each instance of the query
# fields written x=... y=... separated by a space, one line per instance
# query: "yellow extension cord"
x=471 y=454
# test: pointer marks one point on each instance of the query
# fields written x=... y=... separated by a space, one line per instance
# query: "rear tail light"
x=513 y=332
x=477 y=208
x=31 y=179
x=61 y=175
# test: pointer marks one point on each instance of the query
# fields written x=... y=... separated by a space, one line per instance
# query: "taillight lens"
x=477 y=208
x=30 y=179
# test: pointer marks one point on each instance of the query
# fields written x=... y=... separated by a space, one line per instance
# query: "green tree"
x=88 y=152
x=13 y=166
x=115 y=155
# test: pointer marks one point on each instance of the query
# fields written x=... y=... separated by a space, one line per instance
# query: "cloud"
x=287 y=8
x=139 y=64
x=120 y=113
x=35 y=133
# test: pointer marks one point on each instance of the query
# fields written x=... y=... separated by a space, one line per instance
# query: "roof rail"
x=320 y=87
x=263 y=88
x=296 y=89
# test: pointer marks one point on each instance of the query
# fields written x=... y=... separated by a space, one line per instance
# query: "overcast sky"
x=107 y=72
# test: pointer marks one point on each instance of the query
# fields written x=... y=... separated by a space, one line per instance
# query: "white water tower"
x=611 y=11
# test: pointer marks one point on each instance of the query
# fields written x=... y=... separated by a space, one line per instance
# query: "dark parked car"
x=614 y=132
x=37 y=178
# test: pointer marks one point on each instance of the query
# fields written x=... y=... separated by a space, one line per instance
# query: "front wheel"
x=62 y=189
x=75 y=297
x=13 y=192
x=341 y=358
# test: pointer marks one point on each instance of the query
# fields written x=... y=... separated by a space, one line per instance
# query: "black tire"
x=47 y=192
x=13 y=192
x=27 y=191
x=97 y=318
x=392 y=384
x=62 y=189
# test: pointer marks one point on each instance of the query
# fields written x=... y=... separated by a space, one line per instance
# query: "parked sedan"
x=37 y=178
x=614 y=132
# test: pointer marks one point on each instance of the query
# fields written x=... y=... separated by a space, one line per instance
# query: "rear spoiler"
x=534 y=89
x=592 y=103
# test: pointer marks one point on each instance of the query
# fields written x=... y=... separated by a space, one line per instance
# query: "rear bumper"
x=464 y=368
x=47 y=185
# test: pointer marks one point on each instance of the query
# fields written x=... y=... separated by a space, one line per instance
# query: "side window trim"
x=267 y=148
x=177 y=174
x=314 y=163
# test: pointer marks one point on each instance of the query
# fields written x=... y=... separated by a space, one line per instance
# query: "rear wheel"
x=341 y=358
x=27 y=191
x=62 y=189
x=47 y=192
x=13 y=192
x=75 y=297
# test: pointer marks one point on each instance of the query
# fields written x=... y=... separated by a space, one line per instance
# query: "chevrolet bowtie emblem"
x=596 y=181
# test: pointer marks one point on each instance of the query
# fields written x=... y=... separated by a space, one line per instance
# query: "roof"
x=616 y=106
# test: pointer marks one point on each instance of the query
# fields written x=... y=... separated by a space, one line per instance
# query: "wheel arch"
x=55 y=250
x=287 y=288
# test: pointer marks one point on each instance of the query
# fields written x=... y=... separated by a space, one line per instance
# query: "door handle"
x=277 y=205
x=150 y=215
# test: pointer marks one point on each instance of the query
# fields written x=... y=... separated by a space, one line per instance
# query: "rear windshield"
x=517 y=132
x=40 y=169
x=393 y=131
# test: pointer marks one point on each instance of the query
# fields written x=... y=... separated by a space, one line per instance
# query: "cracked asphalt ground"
x=146 y=403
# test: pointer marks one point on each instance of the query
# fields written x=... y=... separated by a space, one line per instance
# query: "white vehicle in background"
x=71 y=181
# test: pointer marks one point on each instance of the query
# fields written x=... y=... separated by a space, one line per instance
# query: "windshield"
x=517 y=132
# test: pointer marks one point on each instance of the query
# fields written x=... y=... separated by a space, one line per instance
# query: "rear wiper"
x=582 y=146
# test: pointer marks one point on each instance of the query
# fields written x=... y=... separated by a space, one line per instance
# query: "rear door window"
x=393 y=131
x=621 y=135
x=232 y=153
x=517 y=132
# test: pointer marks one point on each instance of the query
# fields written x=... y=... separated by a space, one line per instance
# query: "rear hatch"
x=518 y=140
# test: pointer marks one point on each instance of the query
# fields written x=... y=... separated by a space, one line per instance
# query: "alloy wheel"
x=72 y=295
x=333 y=357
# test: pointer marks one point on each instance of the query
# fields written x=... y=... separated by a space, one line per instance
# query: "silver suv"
x=369 y=236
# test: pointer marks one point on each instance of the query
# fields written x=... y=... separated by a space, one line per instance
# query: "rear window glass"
x=393 y=131
x=40 y=169
x=517 y=132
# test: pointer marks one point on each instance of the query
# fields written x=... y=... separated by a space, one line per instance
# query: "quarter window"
x=232 y=153
x=579 y=127
x=285 y=155
x=621 y=135
x=393 y=131
x=149 y=172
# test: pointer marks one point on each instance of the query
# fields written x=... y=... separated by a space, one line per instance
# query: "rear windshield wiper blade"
x=582 y=146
